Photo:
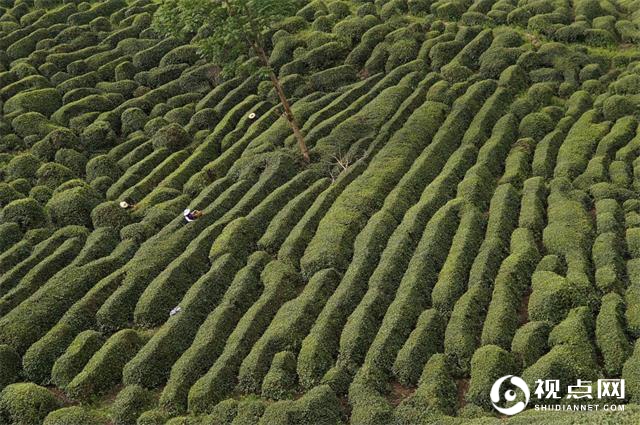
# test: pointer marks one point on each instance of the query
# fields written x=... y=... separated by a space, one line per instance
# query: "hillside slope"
x=471 y=211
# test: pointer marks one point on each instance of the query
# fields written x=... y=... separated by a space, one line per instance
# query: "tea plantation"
x=471 y=210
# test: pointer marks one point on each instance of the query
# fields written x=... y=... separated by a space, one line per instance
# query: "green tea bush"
x=172 y=137
x=72 y=206
x=110 y=214
x=76 y=356
x=8 y=194
x=26 y=212
x=104 y=369
x=631 y=375
x=243 y=291
x=72 y=159
x=22 y=166
x=423 y=342
x=436 y=392
x=536 y=125
x=26 y=404
x=488 y=364
x=151 y=365
x=53 y=175
x=10 y=366
x=530 y=342
x=279 y=382
x=10 y=234
x=76 y=415
x=21 y=185
x=611 y=337
x=130 y=403
x=97 y=136
x=45 y=101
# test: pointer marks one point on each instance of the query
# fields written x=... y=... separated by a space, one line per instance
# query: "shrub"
x=631 y=374
x=153 y=417
x=150 y=366
x=22 y=166
x=45 y=101
x=100 y=166
x=610 y=333
x=130 y=403
x=72 y=206
x=172 y=137
x=423 y=342
x=104 y=369
x=10 y=366
x=617 y=106
x=75 y=357
x=110 y=214
x=332 y=78
x=243 y=291
x=536 y=125
x=72 y=159
x=279 y=382
x=288 y=328
x=324 y=250
x=91 y=103
x=26 y=212
x=8 y=194
x=76 y=415
x=133 y=119
x=53 y=175
x=26 y=404
x=97 y=136
x=437 y=392
x=23 y=186
x=10 y=234
x=530 y=342
x=488 y=364
x=320 y=405
x=151 y=57
x=125 y=71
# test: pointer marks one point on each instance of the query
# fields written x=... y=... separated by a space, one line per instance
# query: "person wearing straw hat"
x=191 y=215
x=127 y=204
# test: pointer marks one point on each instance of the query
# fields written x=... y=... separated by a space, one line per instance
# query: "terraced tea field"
x=471 y=210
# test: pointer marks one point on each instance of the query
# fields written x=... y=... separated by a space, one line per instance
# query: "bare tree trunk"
x=258 y=47
x=285 y=104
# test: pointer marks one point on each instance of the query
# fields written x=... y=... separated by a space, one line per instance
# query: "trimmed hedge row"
x=463 y=332
x=41 y=356
x=243 y=291
x=320 y=344
x=611 y=338
x=278 y=279
x=41 y=273
x=104 y=369
x=150 y=367
x=26 y=404
x=29 y=321
x=156 y=254
x=450 y=284
x=509 y=288
x=76 y=356
x=330 y=246
x=287 y=329
x=579 y=145
x=40 y=252
x=436 y=393
x=572 y=355
x=293 y=247
x=171 y=284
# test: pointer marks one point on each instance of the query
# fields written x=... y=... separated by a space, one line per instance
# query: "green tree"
x=229 y=30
